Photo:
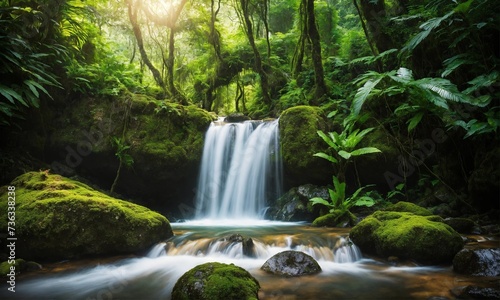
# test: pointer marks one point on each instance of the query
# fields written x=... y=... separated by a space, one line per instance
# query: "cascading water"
x=240 y=170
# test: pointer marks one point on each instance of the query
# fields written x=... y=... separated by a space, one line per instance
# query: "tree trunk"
x=170 y=22
x=314 y=38
x=375 y=14
x=140 y=44
x=264 y=82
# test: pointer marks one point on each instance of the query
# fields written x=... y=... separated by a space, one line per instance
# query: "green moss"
x=425 y=239
x=299 y=141
x=403 y=206
x=173 y=134
x=216 y=281
x=60 y=218
x=335 y=219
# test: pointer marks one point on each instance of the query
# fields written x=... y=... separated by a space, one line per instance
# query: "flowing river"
x=346 y=274
x=240 y=174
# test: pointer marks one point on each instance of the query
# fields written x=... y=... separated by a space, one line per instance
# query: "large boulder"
x=299 y=141
x=165 y=139
x=294 y=205
x=291 y=263
x=423 y=238
x=216 y=281
x=479 y=262
x=58 y=218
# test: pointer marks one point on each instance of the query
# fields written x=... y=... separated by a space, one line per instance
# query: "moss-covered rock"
x=335 y=219
x=299 y=141
x=425 y=239
x=216 y=281
x=165 y=139
x=59 y=218
x=403 y=206
x=20 y=266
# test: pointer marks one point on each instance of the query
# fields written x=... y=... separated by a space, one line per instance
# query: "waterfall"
x=240 y=170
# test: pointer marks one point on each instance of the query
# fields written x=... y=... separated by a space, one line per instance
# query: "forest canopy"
x=423 y=59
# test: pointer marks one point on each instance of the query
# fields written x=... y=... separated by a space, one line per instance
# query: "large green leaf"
x=326 y=156
x=364 y=201
x=363 y=94
x=327 y=139
x=365 y=150
x=344 y=154
x=318 y=200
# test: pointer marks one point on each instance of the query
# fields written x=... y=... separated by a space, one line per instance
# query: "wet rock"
x=236 y=117
x=216 y=281
x=291 y=263
x=461 y=225
x=476 y=292
x=480 y=262
x=246 y=243
x=425 y=239
x=294 y=205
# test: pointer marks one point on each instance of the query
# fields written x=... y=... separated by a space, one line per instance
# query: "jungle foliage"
x=406 y=66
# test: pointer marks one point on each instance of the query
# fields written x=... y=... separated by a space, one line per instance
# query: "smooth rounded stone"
x=291 y=263
x=215 y=280
x=479 y=262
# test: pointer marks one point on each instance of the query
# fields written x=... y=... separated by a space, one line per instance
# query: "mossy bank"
x=165 y=140
x=58 y=218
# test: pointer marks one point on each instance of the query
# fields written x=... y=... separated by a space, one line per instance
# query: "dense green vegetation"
x=414 y=70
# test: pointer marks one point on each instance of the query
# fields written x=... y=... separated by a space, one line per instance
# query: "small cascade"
x=337 y=249
x=240 y=170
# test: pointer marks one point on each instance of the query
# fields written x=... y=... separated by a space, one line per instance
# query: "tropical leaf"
x=427 y=28
x=443 y=87
x=364 y=201
x=365 y=150
x=318 y=200
x=10 y=94
x=414 y=121
x=344 y=154
x=363 y=94
x=326 y=156
x=452 y=63
x=327 y=139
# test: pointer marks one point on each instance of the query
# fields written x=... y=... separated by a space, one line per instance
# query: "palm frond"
x=427 y=27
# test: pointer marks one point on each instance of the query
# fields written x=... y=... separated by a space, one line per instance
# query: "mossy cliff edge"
x=165 y=139
x=58 y=218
